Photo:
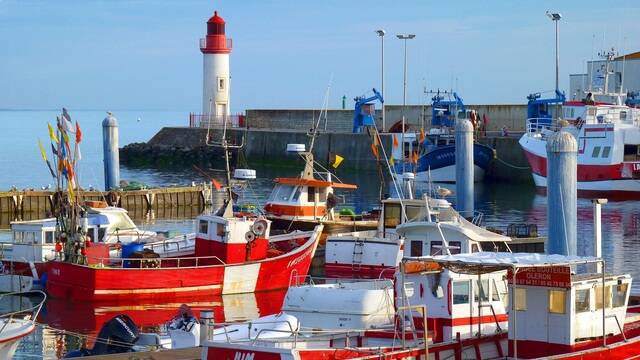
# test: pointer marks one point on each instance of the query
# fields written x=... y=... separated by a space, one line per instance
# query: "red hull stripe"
x=585 y=172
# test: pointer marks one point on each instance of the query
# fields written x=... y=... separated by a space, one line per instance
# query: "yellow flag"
x=337 y=162
x=391 y=162
x=52 y=134
x=42 y=152
x=70 y=188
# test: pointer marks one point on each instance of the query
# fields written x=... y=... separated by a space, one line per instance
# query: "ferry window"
x=220 y=230
x=483 y=290
x=557 y=301
x=494 y=291
x=203 y=227
x=619 y=295
x=311 y=194
x=460 y=292
x=623 y=115
x=436 y=248
x=521 y=299
x=296 y=195
x=596 y=151
x=48 y=237
x=416 y=248
x=391 y=215
x=18 y=236
x=415 y=213
x=607 y=297
x=583 y=302
x=455 y=247
x=605 y=151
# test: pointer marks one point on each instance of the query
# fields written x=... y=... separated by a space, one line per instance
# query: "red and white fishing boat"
x=608 y=135
x=17 y=323
x=232 y=255
x=305 y=201
x=553 y=311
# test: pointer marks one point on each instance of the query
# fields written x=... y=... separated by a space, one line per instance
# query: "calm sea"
x=21 y=166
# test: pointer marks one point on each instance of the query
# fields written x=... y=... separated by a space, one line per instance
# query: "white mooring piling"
x=597 y=230
x=110 y=152
x=562 y=192
x=464 y=167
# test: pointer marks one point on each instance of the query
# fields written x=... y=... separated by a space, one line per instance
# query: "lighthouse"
x=215 y=49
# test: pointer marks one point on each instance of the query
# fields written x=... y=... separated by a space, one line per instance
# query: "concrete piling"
x=562 y=193
x=110 y=152
x=464 y=167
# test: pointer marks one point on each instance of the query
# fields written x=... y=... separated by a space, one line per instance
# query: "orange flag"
x=395 y=141
x=414 y=159
x=374 y=150
x=422 y=136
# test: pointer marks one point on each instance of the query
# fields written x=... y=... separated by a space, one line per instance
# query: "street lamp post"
x=381 y=33
x=555 y=17
x=404 y=37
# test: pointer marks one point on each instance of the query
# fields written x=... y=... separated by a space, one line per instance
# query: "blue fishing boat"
x=432 y=155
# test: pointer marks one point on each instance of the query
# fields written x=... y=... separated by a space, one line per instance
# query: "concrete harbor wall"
x=417 y=116
x=186 y=146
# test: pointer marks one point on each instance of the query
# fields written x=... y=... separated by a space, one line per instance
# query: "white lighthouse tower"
x=216 y=80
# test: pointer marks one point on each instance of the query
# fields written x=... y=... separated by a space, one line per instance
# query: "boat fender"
x=347 y=212
x=259 y=227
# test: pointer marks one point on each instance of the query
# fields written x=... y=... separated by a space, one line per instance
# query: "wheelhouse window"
x=48 y=237
x=460 y=291
x=220 y=231
x=121 y=221
x=495 y=296
x=18 y=236
x=557 y=301
x=203 y=227
x=583 y=301
x=392 y=213
x=482 y=294
x=620 y=295
x=606 y=151
x=416 y=248
x=311 y=194
x=596 y=152
x=296 y=194
x=607 y=297
x=437 y=248
x=415 y=213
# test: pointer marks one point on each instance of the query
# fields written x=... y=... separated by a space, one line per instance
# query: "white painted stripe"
x=240 y=278
x=152 y=291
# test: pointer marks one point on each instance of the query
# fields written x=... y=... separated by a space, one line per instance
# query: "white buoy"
x=111 y=157
x=562 y=193
x=464 y=167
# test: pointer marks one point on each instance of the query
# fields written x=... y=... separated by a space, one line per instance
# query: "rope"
x=513 y=166
x=96 y=339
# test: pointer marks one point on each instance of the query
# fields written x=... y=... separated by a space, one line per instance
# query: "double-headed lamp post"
x=555 y=17
x=381 y=33
x=404 y=37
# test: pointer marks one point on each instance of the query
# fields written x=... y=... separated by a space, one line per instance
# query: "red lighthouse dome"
x=216 y=41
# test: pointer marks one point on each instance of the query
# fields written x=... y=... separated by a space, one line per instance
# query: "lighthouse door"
x=221 y=109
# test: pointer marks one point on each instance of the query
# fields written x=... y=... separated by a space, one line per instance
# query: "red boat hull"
x=85 y=283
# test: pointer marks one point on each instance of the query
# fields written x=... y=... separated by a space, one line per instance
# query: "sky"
x=143 y=54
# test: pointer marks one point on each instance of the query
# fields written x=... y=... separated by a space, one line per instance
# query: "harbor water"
x=65 y=323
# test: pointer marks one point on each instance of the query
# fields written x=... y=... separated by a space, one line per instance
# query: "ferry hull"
x=84 y=283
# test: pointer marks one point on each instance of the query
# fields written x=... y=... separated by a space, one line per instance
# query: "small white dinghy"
x=267 y=327
x=17 y=324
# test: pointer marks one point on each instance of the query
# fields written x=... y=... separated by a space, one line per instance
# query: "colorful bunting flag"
x=52 y=134
x=70 y=189
x=395 y=141
x=374 y=150
x=42 y=152
x=53 y=150
x=66 y=121
x=391 y=161
x=422 y=136
x=78 y=133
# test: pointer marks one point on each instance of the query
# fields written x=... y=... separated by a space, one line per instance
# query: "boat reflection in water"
x=64 y=320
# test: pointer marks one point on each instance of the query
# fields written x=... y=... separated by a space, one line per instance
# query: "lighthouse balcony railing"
x=216 y=43
x=216 y=121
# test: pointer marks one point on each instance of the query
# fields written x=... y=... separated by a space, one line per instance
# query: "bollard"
x=206 y=326
x=562 y=193
x=111 y=157
x=464 y=167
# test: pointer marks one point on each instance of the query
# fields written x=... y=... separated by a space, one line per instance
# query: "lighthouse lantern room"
x=215 y=48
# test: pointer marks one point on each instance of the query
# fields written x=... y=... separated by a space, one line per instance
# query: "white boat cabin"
x=232 y=240
x=457 y=304
x=304 y=199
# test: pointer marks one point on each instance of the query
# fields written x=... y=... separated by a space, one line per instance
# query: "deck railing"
x=155 y=263
x=216 y=121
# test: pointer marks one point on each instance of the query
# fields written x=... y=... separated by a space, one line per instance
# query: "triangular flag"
x=42 y=152
x=395 y=141
x=66 y=121
x=78 y=133
x=216 y=184
x=422 y=136
x=78 y=155
x=52 y=134
x=374 y=150
x=70 y=189
x=391 y=161
x=337 y=162
x=414 y=158
x=53 y=149
x=51 y=169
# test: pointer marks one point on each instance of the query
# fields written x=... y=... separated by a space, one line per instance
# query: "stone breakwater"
x=175 y=147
